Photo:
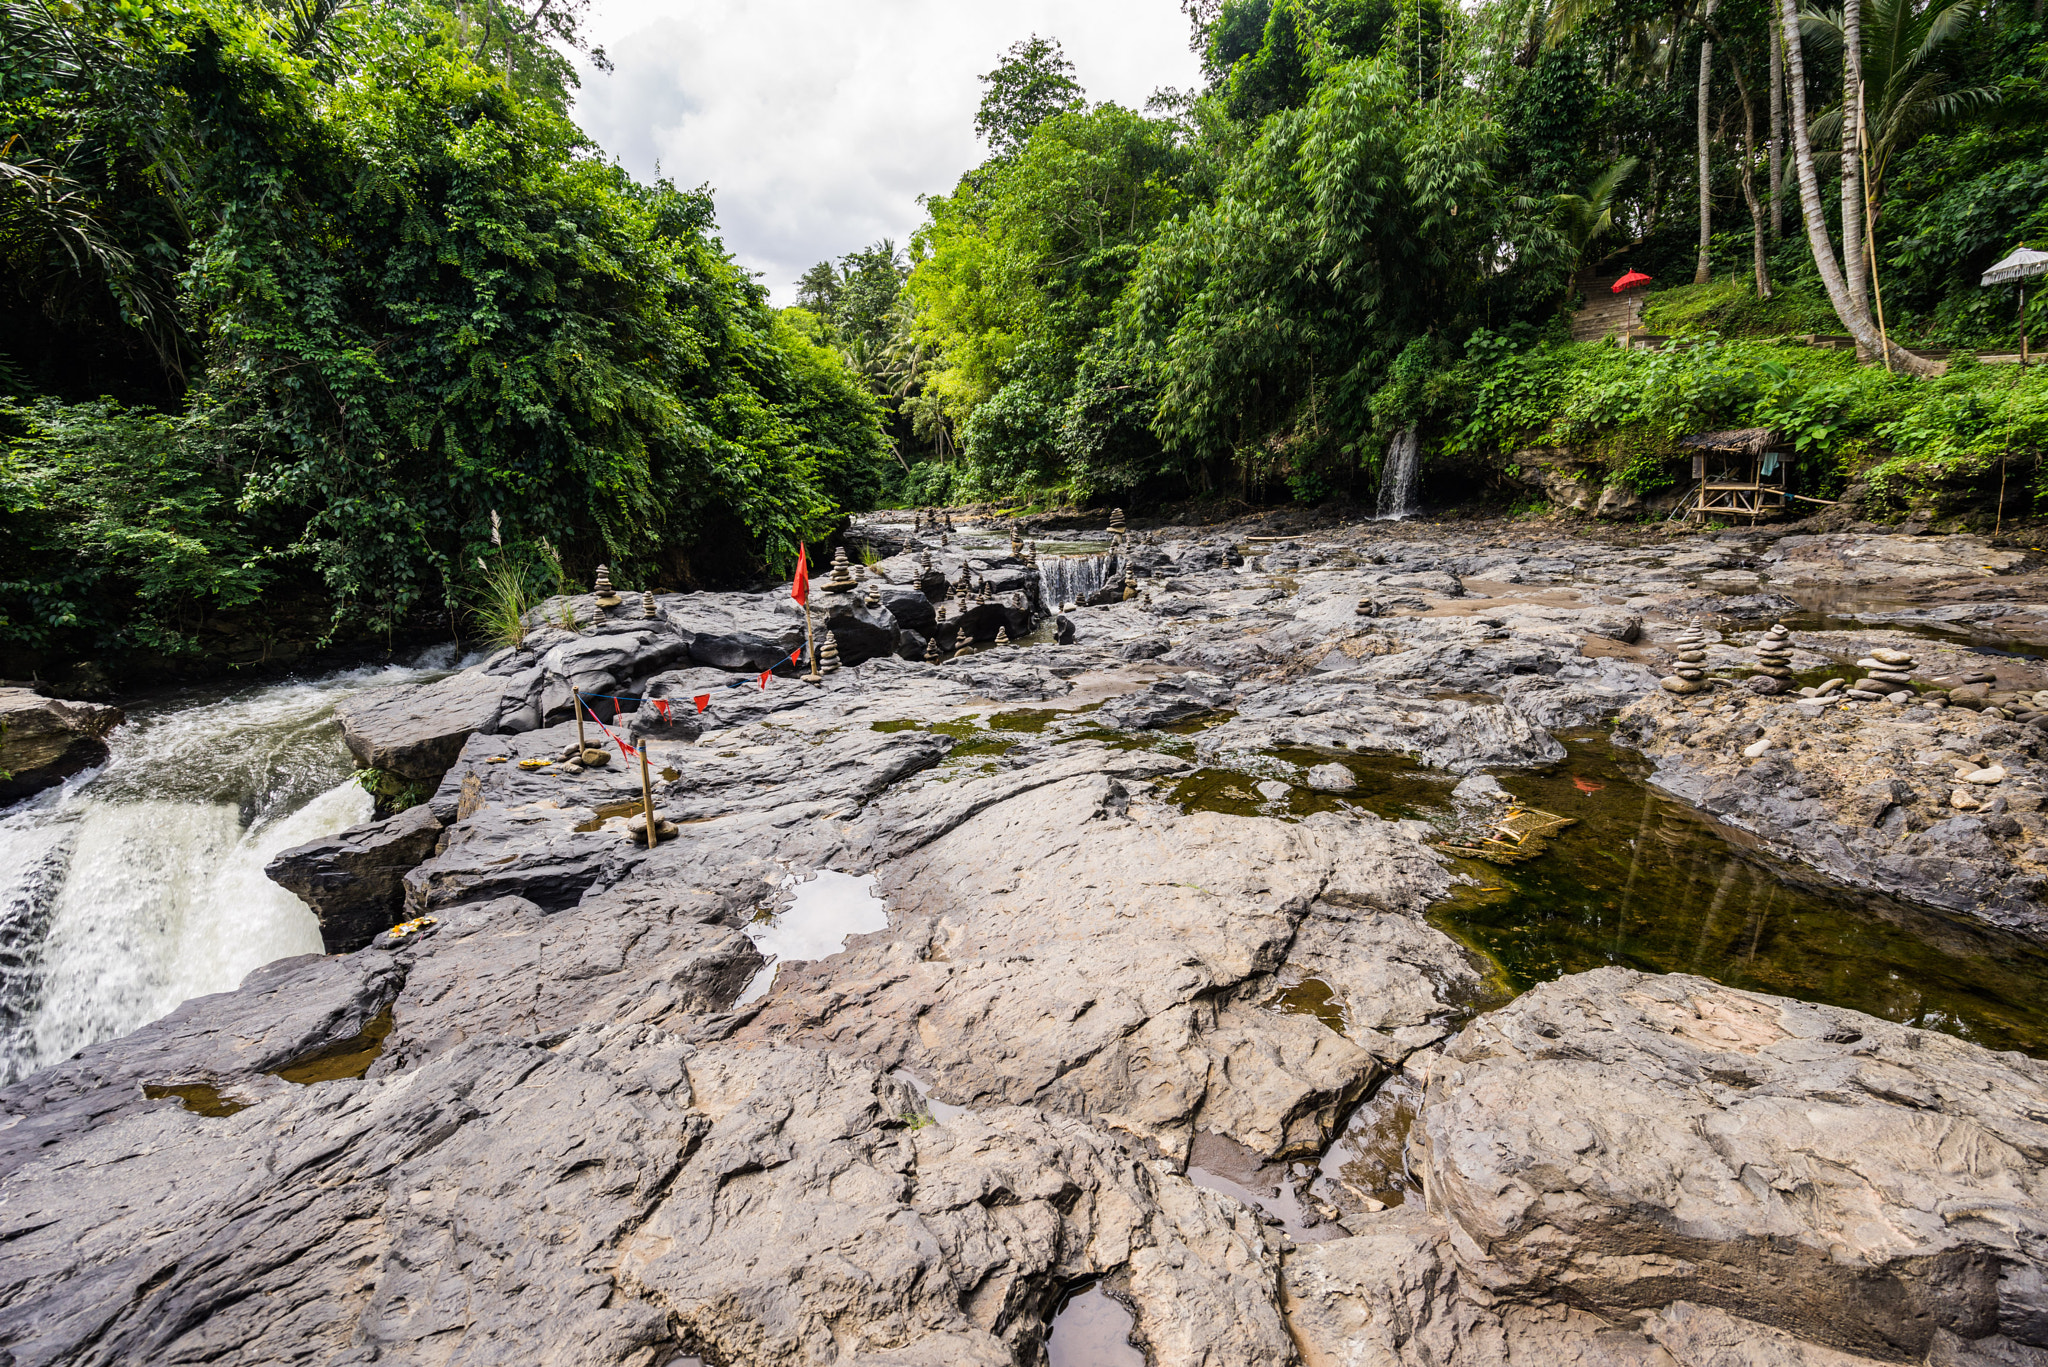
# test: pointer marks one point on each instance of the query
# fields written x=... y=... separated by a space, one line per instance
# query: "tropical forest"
x=323 y=318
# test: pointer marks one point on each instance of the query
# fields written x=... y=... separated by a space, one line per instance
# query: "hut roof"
x=1749 y=441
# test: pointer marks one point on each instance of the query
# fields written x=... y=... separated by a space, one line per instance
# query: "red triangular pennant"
x=764 y=678
x=703 y=700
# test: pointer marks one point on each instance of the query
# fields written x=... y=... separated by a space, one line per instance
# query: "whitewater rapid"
x=138 y=885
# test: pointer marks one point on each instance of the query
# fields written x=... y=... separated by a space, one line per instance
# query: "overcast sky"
x=818 y=124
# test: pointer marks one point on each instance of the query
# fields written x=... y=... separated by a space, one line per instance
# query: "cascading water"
x=138 y=885
x=1397 y=476
x=1068 y=579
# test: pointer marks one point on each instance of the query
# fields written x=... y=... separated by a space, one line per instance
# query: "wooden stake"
x=646 y=794
x=580 y=746
x=811 y=650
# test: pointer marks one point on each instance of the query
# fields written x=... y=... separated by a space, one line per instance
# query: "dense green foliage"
x=1375 y=216
x=400 y=321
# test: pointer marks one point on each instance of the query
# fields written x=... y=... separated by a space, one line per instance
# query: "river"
x=138 y=885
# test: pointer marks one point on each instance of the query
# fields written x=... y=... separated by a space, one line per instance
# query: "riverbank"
x=1154 y=961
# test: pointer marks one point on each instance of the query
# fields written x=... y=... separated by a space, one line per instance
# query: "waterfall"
x=1072 y=578
x=1397 y=476
x=131 y=888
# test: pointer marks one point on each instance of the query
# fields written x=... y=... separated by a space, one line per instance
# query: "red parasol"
x=1630 y=281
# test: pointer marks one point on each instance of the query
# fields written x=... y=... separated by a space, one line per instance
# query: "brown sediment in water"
x=607 y=810
x=1312 y=997
x=197 y=1097
x=344 y=1059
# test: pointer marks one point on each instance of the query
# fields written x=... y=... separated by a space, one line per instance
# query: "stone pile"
x=828 y=654
x=842 y=573
x=1688 y=676
x=1016 y=546
x=1886 y=676
x=874 y=594
x=602 y=590
x=1773 y=657
x=1002 y=635
x=931 y=651
x=1116 y=523
x=647 y=605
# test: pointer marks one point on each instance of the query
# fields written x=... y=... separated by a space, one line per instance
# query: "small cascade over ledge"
x=1073 y=578
x=1397 y=476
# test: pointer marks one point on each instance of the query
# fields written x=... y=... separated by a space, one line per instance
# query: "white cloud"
x=819 y=124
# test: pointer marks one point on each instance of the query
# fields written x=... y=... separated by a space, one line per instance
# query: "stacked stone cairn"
x=828 y=654
x=1003 y=634
x=602 y=590
x=1031 y=554
x=1129 y=592
x=874 y=594
x=860 y=572
x=1773 y=662
x=647 y=605
x=1116 y=524
x=1886 y=674
x=1016 y=545
x=1689 y=675
x=960 y=644
x=981 y=591
x=842 y=573
x=931 y=650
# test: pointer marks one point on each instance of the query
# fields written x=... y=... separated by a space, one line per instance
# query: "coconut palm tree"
x=1585 y=217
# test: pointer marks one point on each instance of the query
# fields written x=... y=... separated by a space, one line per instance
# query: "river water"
x=140 y=884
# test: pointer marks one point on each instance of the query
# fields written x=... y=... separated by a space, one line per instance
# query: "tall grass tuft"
x=502 y=602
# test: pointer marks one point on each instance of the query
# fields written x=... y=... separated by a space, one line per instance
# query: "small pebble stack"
x=1690 y=651
x=602 y=589
x=874 y=594
x=1773 y=661
x=828 y=655
x=647 y=605
x=1016 y=546
x=1003 y=635
x=1116 y=524
x=842 y=573
x=1886 y=674
x=931 y=651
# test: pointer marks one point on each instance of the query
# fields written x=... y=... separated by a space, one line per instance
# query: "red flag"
x=764 y=678
x=703 y=700
x=624 y=749
x=796 y=657
x=661 y=708
x=802 y=591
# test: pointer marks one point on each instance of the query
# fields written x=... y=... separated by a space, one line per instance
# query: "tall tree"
x=1848 y=306
x=1777 y=131
x=1034 y=82
x=1703 y=271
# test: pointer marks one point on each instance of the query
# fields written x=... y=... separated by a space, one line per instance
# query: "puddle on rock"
x=828 y=907
x=1366 y=1165
x=1645 y=882
x=349 y=1058
x=606 y=811
x=1312 y=997
x=1275 y=1190
x=1092 y=1328
x=198 y=1098
x=1390 y=786
x=938 y=1110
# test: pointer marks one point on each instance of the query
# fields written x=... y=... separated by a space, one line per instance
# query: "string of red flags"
x=664 y=707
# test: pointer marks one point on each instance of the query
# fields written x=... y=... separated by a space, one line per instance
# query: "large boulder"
x=859 y=632
x=355 y=880
x=44 y=741
x=417 y=730
x=1624 y=1141
x=911 y=609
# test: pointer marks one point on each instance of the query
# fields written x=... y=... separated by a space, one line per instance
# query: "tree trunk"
x=1855 y=272
x=1855 y=317
x=1759 y=259
x=1777 y=135
x=1704 y=271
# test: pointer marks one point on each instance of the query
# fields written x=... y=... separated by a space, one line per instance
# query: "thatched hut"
x=1737 y=474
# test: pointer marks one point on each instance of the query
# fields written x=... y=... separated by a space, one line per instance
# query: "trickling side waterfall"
x=1072 y=578
x=1397 y=476
x=136 y=886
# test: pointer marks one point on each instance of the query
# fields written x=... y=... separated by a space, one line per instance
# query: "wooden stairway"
x=1606 y=313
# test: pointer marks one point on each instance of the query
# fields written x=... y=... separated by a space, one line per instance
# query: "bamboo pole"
x=1870 y=229
x=814 y=678
x=581 y=746
x=646 y=794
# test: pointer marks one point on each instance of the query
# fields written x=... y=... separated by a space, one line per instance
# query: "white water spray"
x=1068 y=579
x=135 y=887
x=1397 y=476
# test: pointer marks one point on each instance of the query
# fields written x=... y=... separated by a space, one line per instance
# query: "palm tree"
x=1848 y=306
x=1585 y=217
x=1903 y=93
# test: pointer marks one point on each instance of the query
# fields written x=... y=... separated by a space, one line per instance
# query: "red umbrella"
x=1630 y=281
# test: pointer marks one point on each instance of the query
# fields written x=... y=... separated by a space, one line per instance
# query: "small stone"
x=1765 y=685
x=1682 y=685
x=1962 y=800
x=595 y=758
x=1892 y=657
x=1829 y=685
x=1985 y=778
x=1273 y=790
x=1331 y=778
x=1756 y=748
x=1902 y=697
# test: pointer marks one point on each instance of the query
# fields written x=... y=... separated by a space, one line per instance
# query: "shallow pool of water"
x=1645 y=882
x=1092 y=1328
x=826 y=908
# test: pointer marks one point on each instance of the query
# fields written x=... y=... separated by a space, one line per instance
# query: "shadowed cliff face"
x=1127 y=976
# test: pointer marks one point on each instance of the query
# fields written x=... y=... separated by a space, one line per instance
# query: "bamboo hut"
x=1739 y=474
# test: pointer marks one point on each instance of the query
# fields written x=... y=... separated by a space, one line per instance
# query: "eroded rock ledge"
x=571 y=1119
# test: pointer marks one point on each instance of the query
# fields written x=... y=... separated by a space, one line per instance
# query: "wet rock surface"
x=44 y=741
x=1156 y=1001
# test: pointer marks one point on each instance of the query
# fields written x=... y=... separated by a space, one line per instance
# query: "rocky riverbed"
x=1098 y=943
